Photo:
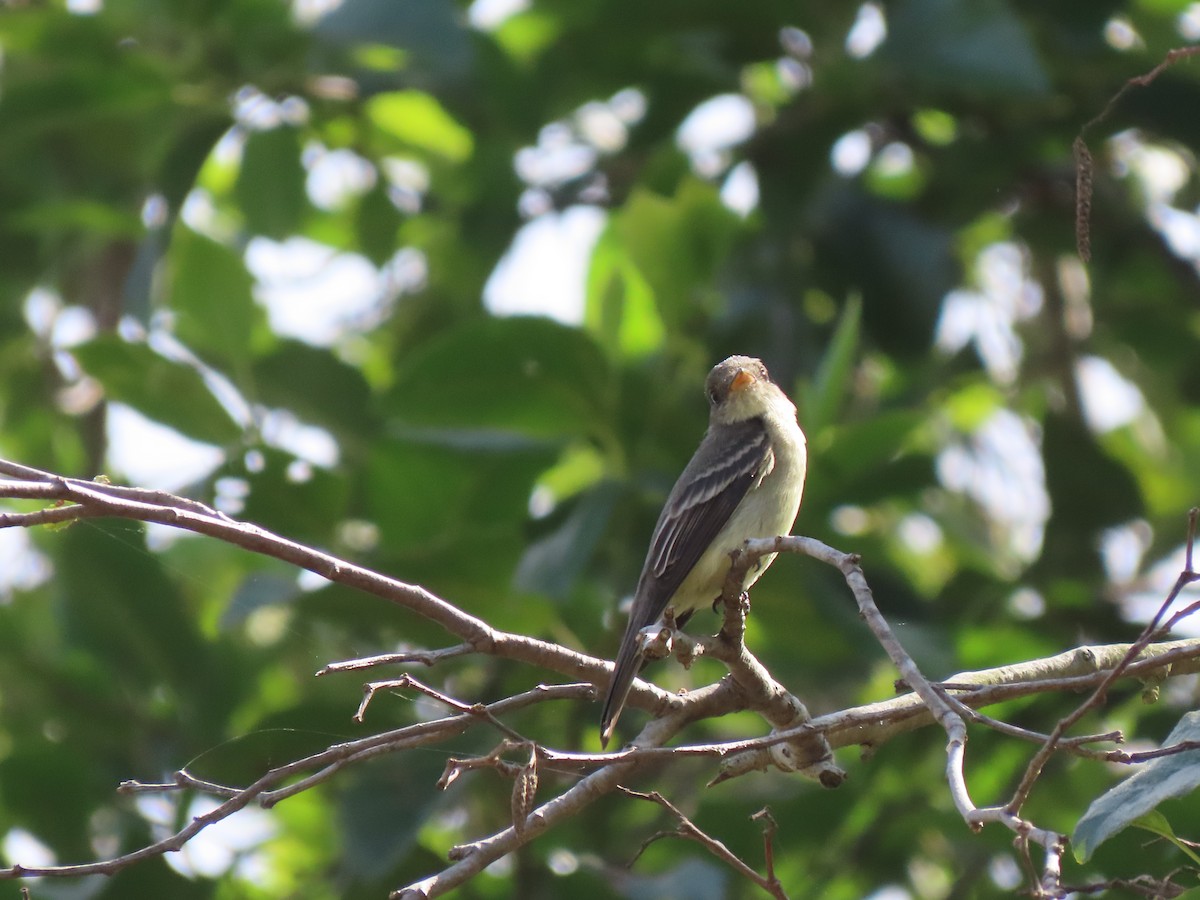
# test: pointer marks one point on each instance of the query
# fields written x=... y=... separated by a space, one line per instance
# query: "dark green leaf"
x=270 y=183
x=974 y=46
x=376 y=225
x=383 y=809
x=551 y=565
x=900 y=263
x=431 y=30
x=677 y=244
x=316 y=386
x=525 y=376
x=215 y=313
x=1156 y=823
x=832 y=384
x=1160 y=779
x=298 y=499
x=163 y=390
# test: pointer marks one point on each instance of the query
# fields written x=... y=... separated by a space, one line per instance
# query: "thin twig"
x=748 y=686
x=688 y=829
x=424 y=657
x=1039 y=760
x=1084 y=166
x=934 y=700
x=1075 y=745
x=327 y=762
x=408 y=681
x=1142 y=886
x=770 y=827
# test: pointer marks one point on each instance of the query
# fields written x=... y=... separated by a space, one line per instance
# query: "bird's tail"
x=629 y=662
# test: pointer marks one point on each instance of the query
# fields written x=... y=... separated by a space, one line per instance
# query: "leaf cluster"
x=1009 y=439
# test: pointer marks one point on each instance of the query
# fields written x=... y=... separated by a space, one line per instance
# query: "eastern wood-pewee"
x=744 y=481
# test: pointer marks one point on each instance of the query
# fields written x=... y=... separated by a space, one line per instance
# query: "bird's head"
x=739 y=388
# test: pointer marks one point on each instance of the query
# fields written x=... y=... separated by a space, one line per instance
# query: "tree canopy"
x=433 y=287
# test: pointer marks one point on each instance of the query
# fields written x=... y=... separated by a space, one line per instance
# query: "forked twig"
x=689 y=830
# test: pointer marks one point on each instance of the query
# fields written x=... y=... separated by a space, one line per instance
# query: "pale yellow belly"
x=767 y=512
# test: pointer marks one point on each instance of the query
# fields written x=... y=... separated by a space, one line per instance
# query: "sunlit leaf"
x=270 y=183
x=620 y=303
x=520 y=375
x=677 y=244
x=211 y=296
x=1175 y=775
x=418 y=121
x=166 y=391
x=832 y=384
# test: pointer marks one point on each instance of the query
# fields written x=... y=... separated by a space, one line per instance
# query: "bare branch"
x=326 y=763
x=770 y=826
x=1084 y=166
x=797 y=742
x=93 y=499
x=424 y=657
x=1038 y=762
x=934 y=699
x=1142 y=886
x=688 y=829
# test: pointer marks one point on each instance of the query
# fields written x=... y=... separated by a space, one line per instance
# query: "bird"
x=745 y=480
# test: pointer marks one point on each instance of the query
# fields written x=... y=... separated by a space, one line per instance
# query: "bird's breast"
x=768 y=509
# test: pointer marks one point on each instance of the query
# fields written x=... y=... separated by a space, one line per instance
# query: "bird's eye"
x=714 y=397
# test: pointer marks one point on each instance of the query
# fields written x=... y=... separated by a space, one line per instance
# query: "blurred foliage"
x=1009 y=439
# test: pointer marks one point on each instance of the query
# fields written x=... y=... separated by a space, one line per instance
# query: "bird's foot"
x=656 y=641
x=743 y=602
x=734 y=628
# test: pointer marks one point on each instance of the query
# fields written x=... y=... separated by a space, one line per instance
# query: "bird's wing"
x=725 y=466
x=709 y=490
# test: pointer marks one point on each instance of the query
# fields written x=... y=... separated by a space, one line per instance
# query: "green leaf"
x=521 y=376
x=525 y=35
x=418 y=121
x=1089 y=490
x=161 y=389
x=215 y=312
x=382 y=808
x=972 y=405
x=857 y=449
x=1156 y=823
x=258 y=590
x=620 y=303
x=900 y=261
x=833 y=380
x=316 y=386
x=1158 y=780
x=432 y=35
x=376 y=222
x=270 y=183
x=452 y=517
x=677 y=243
x=99 y=219
x=122 y=605
x=41 y=785
x=306 y=508
x=963 y=46
x=552 y=564
x=428 y=493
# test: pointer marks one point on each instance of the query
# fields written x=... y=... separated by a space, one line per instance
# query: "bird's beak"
x=742 y=380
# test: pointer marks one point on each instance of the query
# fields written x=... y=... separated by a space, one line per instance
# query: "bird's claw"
x=656 y=641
